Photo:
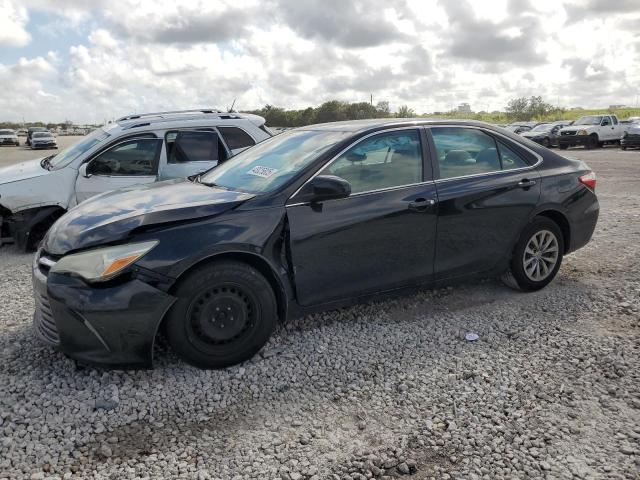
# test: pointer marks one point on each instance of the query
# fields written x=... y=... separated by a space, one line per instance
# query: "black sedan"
x=315 y=218
x=546 y=134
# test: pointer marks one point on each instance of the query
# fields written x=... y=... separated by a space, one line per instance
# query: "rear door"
x=190 y=152
x=131 y=162
x=380 y=237
x=487 y=188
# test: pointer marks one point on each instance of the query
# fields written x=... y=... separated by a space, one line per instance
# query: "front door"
x=380 y=237
x=486 y=193
x=128 y=163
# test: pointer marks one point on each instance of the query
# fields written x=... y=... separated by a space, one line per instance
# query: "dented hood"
x=112 y=216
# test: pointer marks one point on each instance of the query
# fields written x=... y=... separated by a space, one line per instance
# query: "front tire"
x=225 y=313
x=592 y=142
x=537 y=256
x=546 y=143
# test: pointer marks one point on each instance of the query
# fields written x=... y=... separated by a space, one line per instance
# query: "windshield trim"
x=66 y=163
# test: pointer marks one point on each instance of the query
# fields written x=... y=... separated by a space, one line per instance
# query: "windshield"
x=68 y=155
x=542 y=128
x=270 y=164
x=41 y=134
x=6 y=132
x=589 y=120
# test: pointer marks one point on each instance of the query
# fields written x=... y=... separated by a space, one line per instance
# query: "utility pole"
x=372 y=99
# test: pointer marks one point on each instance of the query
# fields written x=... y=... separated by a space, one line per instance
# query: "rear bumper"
x=111 y=326
x=583 y=217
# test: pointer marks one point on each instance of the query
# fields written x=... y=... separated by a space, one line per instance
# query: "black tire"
x=546 y=142
x=623 y=147
x=563 y=146
x=220 y=292
x=516 y=277
x=592 y=142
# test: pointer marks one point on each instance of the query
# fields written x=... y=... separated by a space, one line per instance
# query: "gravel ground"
x=550 y=390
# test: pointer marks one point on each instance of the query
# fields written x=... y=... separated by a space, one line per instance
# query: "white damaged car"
x=136 y=149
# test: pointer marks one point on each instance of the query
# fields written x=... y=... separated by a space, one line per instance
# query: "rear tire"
x=536 y=257
x=546 y=143
x=225 y=313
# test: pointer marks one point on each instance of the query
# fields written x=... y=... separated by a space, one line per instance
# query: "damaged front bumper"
x=112 y=325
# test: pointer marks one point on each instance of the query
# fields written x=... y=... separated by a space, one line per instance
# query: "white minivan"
x=136 y=149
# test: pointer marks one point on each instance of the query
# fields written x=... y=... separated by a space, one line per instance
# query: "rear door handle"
x=421 y=204
x=526 y=183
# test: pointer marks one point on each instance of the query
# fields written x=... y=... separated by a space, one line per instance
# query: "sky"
x=91 y=60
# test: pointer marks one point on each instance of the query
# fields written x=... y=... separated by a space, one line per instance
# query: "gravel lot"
x=550 y=390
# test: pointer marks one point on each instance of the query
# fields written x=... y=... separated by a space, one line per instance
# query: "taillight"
x=589 y=179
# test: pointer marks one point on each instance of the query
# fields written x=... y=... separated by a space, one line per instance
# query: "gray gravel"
x=550 y=390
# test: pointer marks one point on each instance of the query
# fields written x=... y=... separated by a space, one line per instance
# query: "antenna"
x=231 y=107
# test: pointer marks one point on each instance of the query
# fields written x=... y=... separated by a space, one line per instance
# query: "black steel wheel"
x=224 y=314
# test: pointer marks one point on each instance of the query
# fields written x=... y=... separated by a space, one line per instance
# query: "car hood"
x=22 y=171
x=112 y=216
x=8 y=135
x=634 y=130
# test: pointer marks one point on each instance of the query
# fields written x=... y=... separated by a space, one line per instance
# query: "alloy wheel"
x=540 y=255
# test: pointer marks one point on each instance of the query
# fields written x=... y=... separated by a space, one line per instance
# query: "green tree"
x=517 y=109
x=405 y=112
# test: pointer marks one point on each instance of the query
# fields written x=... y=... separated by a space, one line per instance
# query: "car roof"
x=356 y=126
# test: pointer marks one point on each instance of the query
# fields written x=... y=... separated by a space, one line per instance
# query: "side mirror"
x=83 y=170
x=324 y=187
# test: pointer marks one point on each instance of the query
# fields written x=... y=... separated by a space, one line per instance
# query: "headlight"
x=582 y=132
x=103 y=263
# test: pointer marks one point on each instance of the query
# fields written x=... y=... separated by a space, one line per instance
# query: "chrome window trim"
x=482 y=174
x=433 y=181
x=335 y=157
x=368 y=192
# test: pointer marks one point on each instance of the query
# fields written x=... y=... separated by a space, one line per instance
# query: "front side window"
x=383 y=161
x=138 y=157
x=236 y=137
x=467 y=151
x=606 y=121
x=274 y=162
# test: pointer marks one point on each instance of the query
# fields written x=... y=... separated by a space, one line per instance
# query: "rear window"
x=235 y=137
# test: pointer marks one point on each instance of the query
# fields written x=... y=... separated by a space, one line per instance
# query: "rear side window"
x=467 y=151
x=192 y=146
x=236 y=137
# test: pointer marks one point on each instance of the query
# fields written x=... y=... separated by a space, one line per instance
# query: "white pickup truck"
x=591 y=131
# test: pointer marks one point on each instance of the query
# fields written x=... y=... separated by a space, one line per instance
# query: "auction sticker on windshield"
x=264 y=172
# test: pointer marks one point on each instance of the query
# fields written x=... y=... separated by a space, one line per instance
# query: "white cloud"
x=429 y=54
x=13 y=21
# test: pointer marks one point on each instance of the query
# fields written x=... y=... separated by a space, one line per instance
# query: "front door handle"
x=421 y=204
x=526 y=183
